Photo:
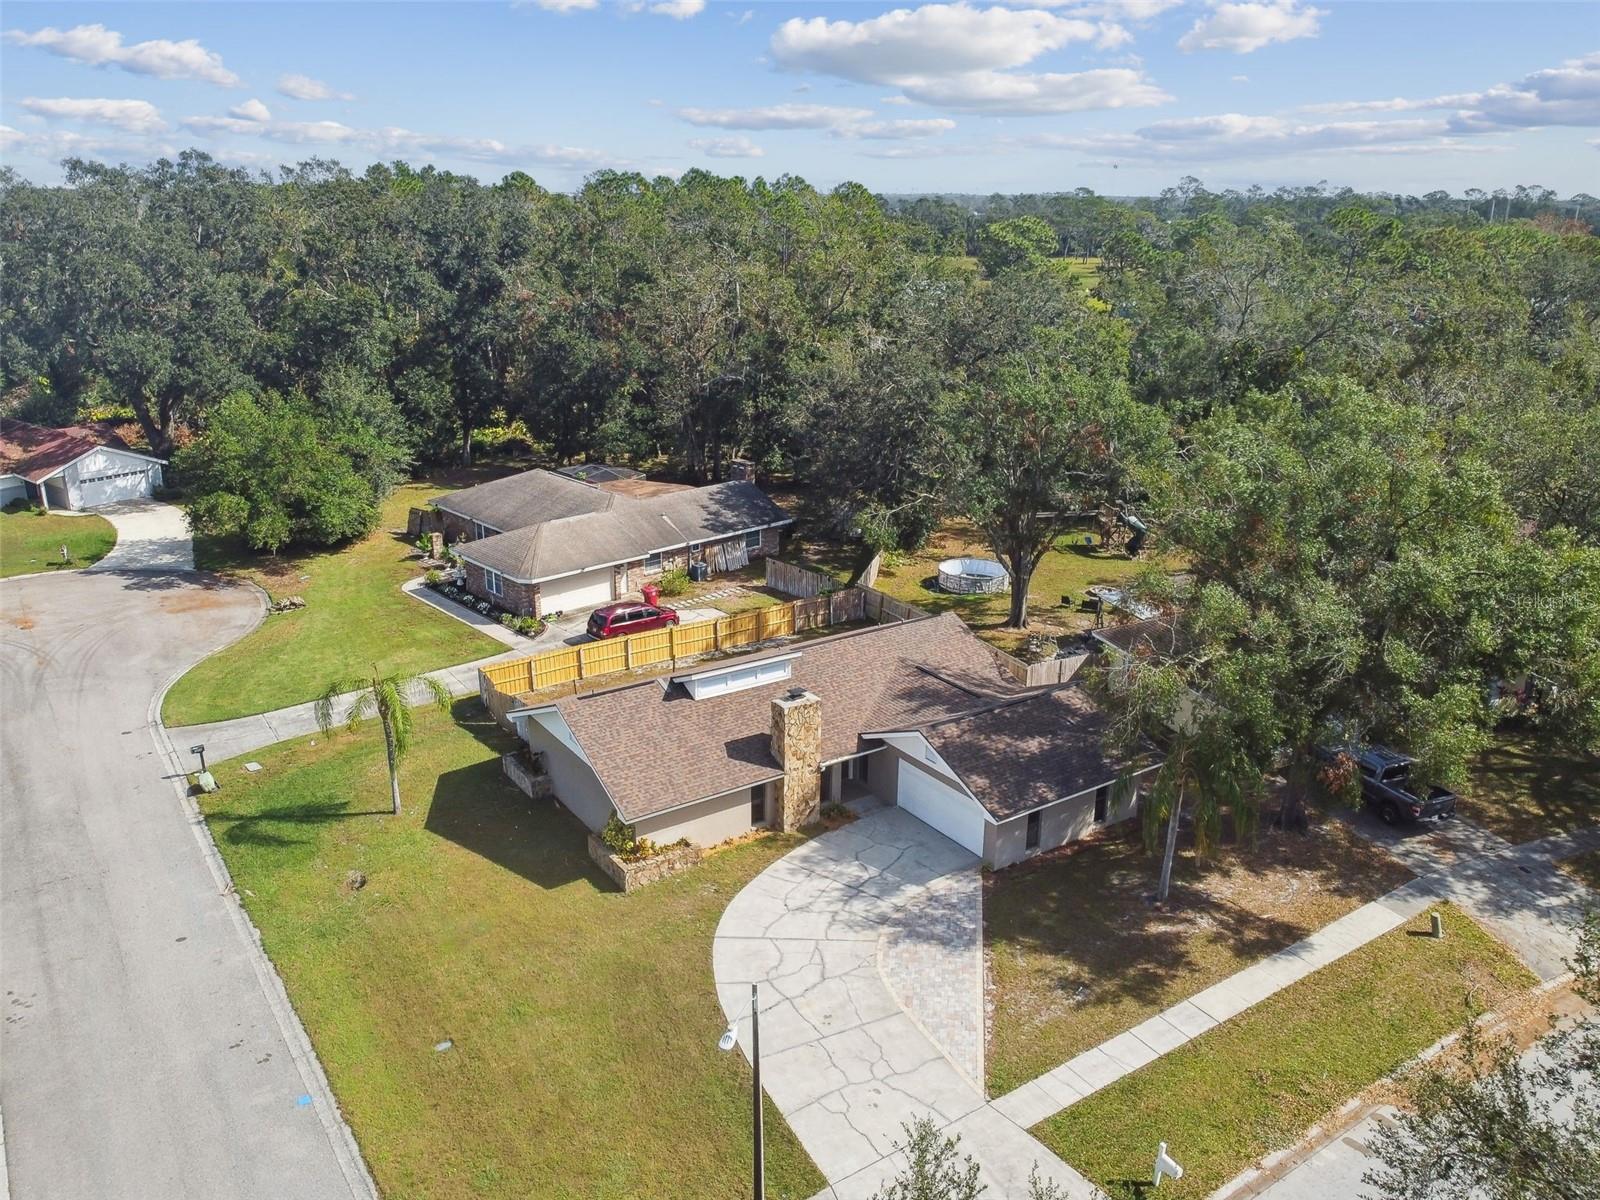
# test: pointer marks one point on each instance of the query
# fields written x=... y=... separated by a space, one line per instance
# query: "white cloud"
x=893 y=100
x=251 y=110
x=1245 y=28
x=1568 y=94
x=396 y=140
x=1018 y=92
x=303 y=87
x=1237 y=136
x=134 y=116
x=775 y=116
x=565 y=6
x=679 y=10
x=934 y=40
x=1241 y=78
x=11 y=138
x=896 y=130
x=958 y=56
x=737 y=146
x=97 y=46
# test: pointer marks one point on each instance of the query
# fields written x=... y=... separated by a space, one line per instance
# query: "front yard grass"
x=31 y=540
x=355 y=616
x=1068 y=569
x=1256 y=1083
x=583 y=1022
x=1077 y=953
x=1523 y=788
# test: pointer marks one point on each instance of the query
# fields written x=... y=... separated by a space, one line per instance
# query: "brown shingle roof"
x=654 y=748
x=1018 y=755
x=524 y=499
x=1159 y=637
x=626 y=529
x=36 y=452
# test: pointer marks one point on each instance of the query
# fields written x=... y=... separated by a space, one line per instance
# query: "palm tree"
x=385 y=697
x=1203 y=765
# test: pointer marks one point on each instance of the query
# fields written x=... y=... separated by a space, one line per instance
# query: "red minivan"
x=614 y=620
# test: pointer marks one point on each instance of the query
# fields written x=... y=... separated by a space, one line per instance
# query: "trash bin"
x=699 y=572
x=652 y=594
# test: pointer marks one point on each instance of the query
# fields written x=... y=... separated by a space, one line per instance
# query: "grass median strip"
x=582 y=1023
x=1256 y=1083
x=355 y=616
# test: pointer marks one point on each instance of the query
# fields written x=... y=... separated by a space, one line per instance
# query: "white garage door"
x=108 y=488
x=576 y=592
x=940 y=805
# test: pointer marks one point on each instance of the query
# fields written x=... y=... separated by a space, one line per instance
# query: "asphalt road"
x=147 y=1050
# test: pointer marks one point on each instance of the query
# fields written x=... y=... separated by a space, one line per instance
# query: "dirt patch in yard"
x=1077 y=951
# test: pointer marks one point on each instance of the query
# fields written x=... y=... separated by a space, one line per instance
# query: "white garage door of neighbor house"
x=576 y=592
x=941 y=806
x=96 y=490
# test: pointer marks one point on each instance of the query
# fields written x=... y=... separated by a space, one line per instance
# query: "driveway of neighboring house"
x=149 y=1049
x=151 y=536
x=866 y=942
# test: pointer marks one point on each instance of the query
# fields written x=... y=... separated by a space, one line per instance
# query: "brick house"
x=543 y=542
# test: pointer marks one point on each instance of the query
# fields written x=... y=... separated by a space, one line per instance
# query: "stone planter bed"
x=631 y=876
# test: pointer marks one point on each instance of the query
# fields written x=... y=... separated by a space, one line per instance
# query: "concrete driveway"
x=148 y=1048
x=151 y=536
x=866 y=942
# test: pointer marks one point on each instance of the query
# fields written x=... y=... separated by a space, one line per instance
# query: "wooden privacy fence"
x=570 y=664
x=798 y=581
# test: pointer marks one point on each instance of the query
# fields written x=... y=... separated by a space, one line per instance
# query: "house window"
x=1033 y=831
x=491 y=582
x=758 y=804
x=479 y=531
x=752 y=540
x=1102 y=803
x=652 y=562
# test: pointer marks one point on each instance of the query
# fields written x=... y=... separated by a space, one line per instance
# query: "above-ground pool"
x=972 y=575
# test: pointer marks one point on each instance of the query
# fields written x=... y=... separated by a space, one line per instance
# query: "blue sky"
x=1123 y=96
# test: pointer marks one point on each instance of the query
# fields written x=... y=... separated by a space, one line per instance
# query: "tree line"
x=1365 y=425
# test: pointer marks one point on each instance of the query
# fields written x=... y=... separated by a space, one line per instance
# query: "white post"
x=1165 y=1165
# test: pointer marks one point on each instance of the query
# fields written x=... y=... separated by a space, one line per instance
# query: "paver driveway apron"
x=148 y=1051
x=834 y=932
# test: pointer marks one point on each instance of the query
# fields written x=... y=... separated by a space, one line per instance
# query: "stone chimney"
x=797 y=745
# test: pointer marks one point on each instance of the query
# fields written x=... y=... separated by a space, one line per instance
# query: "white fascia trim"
x=847 y=757
x=160 y=462
x=1074 y=795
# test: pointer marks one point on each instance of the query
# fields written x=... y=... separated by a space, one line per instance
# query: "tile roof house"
x=918 y=714
x=79 y=466
x=544 y=542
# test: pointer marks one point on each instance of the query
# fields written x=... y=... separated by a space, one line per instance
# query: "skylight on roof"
x=737 y=677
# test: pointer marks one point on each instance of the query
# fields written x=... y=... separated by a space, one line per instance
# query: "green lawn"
x=1066 y=570
x=1077 y=954
x=1256 y=1083
x=355 y=616
x=1523 y=789
x=31 y=541
x=584 y=1021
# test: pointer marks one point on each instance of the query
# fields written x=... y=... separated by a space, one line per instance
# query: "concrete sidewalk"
x=241 y=735
x=1516 y=892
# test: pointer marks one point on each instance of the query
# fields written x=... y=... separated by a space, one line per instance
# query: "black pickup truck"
x=1387 y=788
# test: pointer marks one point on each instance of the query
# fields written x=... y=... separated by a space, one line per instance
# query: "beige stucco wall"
x=1065 y=821
x=575 y=785
x=706 y=822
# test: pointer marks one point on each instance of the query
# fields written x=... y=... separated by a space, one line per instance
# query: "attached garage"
x=587 y=589
x=952 y=812
x=118 y=483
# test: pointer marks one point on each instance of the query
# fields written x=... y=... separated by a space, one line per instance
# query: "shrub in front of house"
x=674 y=582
